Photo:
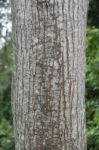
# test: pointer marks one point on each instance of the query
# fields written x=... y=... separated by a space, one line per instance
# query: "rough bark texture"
x=48 y=77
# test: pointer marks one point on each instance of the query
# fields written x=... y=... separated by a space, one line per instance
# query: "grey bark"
x=48 y=84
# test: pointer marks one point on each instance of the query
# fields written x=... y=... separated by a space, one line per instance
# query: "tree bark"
x=48 y=86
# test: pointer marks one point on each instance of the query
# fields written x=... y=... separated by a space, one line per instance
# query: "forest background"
x=92 y=76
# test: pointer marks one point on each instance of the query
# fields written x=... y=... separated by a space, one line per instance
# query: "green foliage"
x=5 y=80
x=6 y=136
x=93 y=14
x=92 y=74
x=92 y=89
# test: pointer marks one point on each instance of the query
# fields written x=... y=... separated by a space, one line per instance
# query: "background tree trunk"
x=48 y=77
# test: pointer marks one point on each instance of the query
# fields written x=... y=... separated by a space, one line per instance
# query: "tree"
x=49 y=73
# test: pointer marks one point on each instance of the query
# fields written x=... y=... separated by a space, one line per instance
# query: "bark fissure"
x=48 y=76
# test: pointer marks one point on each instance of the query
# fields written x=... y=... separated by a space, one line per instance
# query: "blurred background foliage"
x=92 y=88
x=92 y=77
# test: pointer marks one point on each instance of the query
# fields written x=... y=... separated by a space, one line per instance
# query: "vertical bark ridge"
x=48 y=77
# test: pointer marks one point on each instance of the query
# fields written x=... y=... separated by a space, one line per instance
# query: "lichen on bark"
x=48 y=77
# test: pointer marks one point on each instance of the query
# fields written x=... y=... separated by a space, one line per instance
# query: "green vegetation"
x=92 y=89
x=6 y=132
x=93 y=14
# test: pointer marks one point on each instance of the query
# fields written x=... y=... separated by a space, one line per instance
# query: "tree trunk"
x=49 y=74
